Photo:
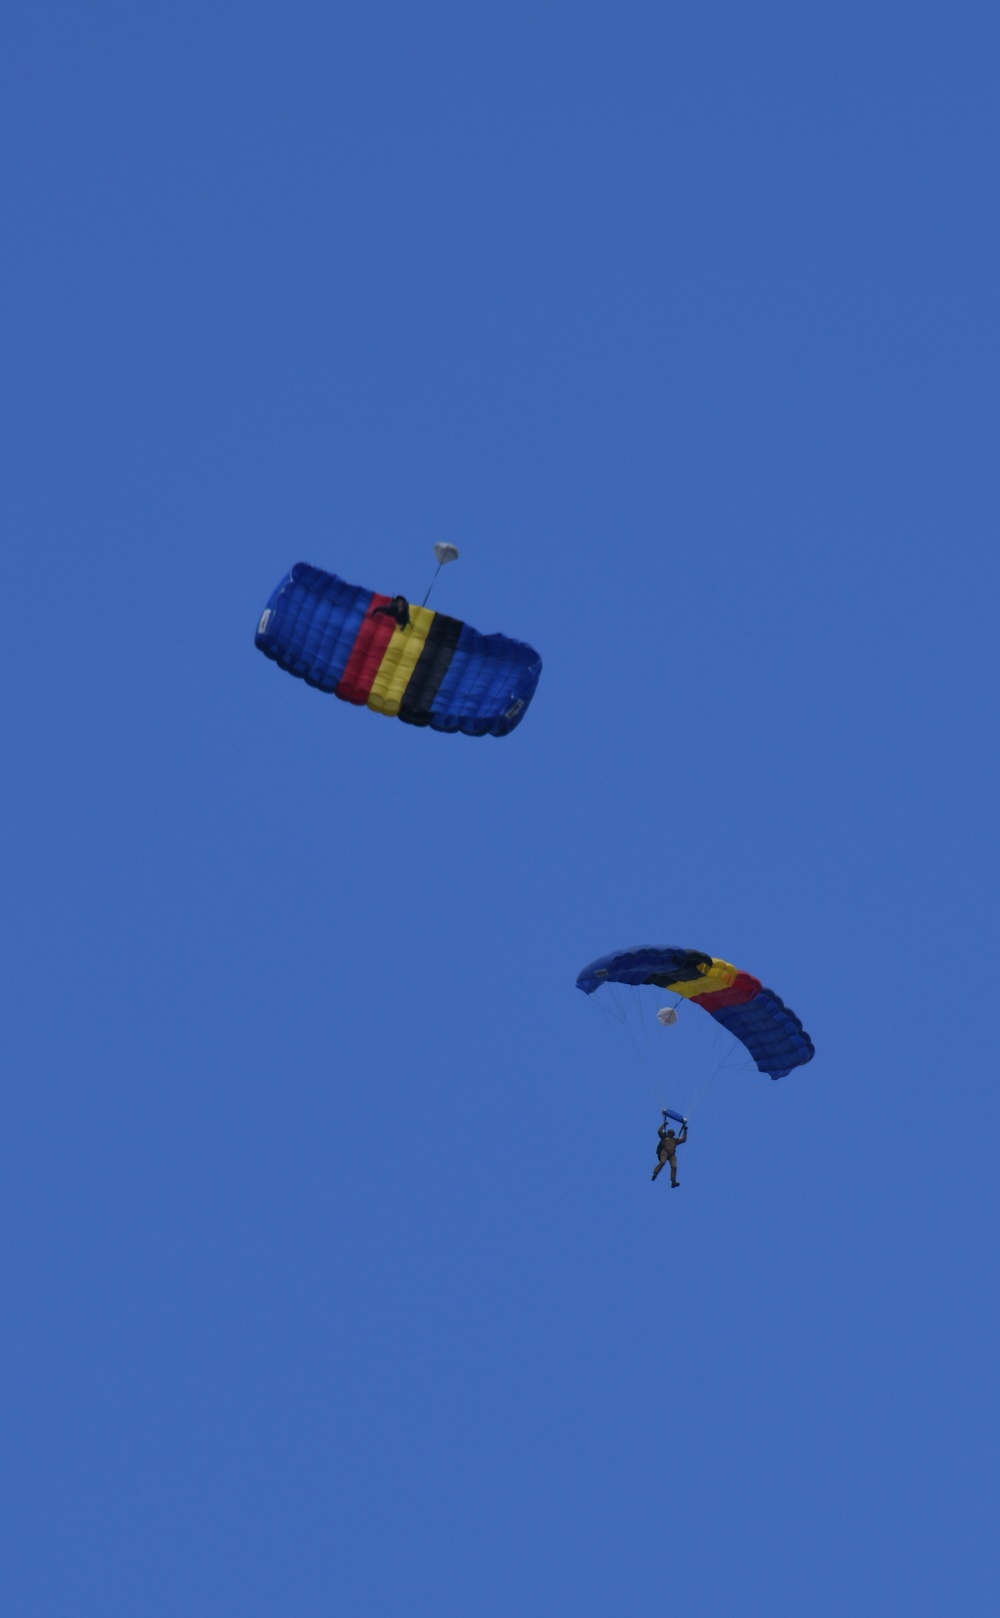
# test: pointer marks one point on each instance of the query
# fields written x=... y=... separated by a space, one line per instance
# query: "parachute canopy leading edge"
x=756 y=1016
x=400 y=660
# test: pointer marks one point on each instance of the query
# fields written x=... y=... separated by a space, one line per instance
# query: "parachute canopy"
x=770 y=1031
x=401 y=660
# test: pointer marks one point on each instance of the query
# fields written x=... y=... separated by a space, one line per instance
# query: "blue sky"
x=333 y=1276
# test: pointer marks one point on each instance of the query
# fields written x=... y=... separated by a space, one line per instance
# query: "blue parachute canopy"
x=756 y=1016
x=404 y=661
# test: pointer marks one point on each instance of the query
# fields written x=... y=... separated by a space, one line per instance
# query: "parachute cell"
x=400 y=660
x=771 y=1032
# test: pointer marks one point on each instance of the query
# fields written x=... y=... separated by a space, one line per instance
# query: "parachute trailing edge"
x=400 y=660
x=769 y=1029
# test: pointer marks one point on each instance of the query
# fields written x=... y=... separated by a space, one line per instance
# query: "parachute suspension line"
x=445 y=553
x=753 y=1088
x=663 y=1065
x=704 y=1084
x=619 y=1004
x=710 y=1081
x=620 y=1016
x=700 y=1090
x=612 y=1010
x=660 y=1064
x=656 y=1081
x=640 y=1055
x=644 y=1025
x=606 y=1012
x=432 y=584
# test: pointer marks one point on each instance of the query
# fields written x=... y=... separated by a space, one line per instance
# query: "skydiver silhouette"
x=398 y=608
x=669 y=1143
